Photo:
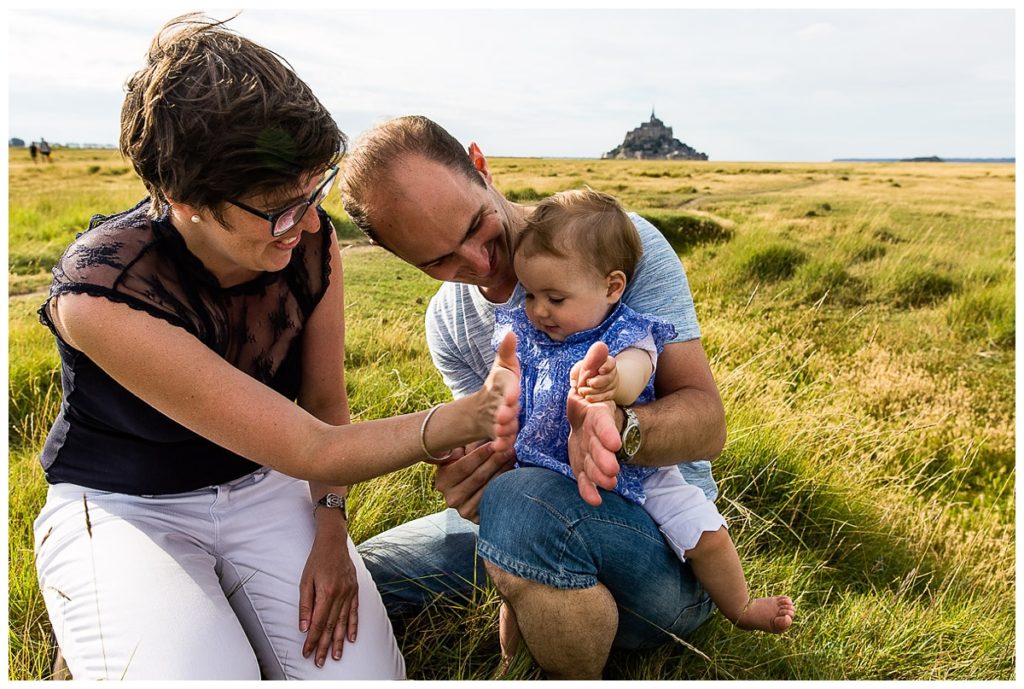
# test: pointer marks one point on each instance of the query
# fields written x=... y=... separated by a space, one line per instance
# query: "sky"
x=809 y=84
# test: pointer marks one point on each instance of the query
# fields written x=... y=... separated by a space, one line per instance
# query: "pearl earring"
x=196 y=219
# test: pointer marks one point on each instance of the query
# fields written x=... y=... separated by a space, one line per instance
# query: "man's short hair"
x=368 y=165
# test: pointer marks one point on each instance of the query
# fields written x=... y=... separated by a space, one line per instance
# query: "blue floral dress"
x=543 y=439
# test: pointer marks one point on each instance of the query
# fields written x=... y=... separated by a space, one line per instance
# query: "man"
x=579 y=578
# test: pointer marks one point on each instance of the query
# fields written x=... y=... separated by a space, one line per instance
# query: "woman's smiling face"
x=243 y=247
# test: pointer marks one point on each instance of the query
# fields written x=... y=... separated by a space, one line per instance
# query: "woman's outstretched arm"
x=179 y=376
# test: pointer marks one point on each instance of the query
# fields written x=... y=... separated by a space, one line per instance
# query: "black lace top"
x=107 y=438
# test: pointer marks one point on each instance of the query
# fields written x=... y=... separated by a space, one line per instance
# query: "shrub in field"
x=819 y=280
x=886 y=235
x=685 y=231
x=867 y=252
x=920 y=287
x=526 y=194
x=986 y=315
x=773 y=262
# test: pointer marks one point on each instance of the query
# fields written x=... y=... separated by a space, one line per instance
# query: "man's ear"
x=476 y=156
x=616 y=281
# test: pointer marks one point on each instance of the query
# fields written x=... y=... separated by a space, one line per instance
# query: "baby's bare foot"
x=774 y=614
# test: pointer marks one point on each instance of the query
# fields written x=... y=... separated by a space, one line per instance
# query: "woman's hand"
x=328 y=590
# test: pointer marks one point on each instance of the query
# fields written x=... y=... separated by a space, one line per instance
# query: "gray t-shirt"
x=460 y=323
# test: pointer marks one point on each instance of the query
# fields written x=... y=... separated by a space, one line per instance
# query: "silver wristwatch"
x=631 y=437
x=332 y=501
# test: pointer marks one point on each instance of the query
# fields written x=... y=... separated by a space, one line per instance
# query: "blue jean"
x=535 y=526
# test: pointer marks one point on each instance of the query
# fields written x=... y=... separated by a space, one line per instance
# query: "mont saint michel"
x=652 y=140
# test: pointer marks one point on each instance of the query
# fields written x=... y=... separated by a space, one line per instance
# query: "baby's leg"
x=696 y=531
x=717 y=566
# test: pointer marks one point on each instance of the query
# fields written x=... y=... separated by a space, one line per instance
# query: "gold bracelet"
x=429 y=458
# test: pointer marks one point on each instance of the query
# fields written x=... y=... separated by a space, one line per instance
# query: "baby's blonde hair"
x=583 y=223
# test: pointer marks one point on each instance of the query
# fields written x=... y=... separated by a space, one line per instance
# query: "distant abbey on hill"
x=653 y=140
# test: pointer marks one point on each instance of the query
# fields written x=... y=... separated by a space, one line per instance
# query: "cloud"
x=1002 y=71
x=816 y=30
x=740 y=84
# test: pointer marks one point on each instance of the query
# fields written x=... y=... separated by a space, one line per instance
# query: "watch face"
x=631 y=440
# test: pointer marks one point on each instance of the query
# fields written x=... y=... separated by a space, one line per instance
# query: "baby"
x=574 y=259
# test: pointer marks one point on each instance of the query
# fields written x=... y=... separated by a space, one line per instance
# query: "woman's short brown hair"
x=585 y=223
x=214 y=116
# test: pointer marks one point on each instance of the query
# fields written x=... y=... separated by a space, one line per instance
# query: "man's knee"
x=529 y=521
x=569 y=632
x=508 y=585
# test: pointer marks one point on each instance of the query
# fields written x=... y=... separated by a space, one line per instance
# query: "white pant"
x=681 y=510
x=199 y=585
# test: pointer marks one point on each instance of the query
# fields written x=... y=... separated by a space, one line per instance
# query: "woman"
x=173 y=538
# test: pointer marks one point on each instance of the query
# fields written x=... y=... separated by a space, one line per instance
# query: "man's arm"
x=687 y=420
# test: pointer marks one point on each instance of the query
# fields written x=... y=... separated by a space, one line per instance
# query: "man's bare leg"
x=569 y=632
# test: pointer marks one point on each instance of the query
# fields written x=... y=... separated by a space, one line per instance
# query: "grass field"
x=859 y=319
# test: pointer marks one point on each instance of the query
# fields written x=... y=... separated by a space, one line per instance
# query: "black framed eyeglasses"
x=283 y=221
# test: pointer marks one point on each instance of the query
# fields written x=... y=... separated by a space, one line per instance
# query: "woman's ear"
x=616 y=282
x=476 y=156
x=181 y=210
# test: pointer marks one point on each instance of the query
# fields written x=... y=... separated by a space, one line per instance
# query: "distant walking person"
x=44 y=148
x=33 y=151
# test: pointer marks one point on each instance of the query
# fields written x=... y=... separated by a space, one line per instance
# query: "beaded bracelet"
x=429 y=458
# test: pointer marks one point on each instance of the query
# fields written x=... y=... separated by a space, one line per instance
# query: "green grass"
x=771 y=263
x=859 y=320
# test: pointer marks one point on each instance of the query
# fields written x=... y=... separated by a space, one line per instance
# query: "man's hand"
x=593 y=436
x=328 y=592
x=463 y=478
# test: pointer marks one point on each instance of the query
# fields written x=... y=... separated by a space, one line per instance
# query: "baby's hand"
x=599 y=387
